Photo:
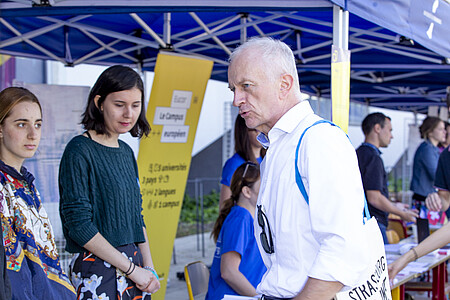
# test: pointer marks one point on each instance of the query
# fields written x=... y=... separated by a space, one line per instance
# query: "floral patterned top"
x=27 y=232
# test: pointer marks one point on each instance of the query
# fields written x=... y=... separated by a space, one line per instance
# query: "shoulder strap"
x=298 y=177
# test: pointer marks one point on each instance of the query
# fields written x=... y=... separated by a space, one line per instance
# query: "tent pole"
x=167 y=28
x=243 y=28
x=340 y=69
x=340 y=27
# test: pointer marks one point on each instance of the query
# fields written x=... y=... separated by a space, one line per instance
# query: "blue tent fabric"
x=424 y=21
x=386 y=69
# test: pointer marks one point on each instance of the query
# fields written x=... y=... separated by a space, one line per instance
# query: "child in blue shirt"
x=237 y=266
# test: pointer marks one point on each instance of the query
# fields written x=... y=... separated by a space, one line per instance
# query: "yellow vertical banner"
x=340 y=86
x=165 y=156
x=4 y=58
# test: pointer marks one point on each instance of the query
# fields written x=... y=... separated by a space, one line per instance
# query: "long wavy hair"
x=245 y=175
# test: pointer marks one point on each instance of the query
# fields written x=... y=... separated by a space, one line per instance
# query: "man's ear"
x=96 y=98
x=377 y=128
x=286 y=83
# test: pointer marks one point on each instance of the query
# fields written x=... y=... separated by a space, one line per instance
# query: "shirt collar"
x=263 y=140
x=373 y=147
x=26 y=176
x=287 y=123
x=23 y=175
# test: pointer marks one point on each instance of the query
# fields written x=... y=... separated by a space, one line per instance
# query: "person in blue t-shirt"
x=237 y=266
x=247 y=148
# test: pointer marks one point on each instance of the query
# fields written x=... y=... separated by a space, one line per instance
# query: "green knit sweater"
x=99 y=192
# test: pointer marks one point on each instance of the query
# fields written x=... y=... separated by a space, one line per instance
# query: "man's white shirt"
x=321 y=240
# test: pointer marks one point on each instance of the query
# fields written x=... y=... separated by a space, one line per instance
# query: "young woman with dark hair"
x=247 y=148
x=237 y=266
x=32 y=260
x=115 y=79
x=101 y=202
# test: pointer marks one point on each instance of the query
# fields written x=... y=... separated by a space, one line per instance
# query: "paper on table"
x=234 y=297
x=392 y=248
x=415 y=267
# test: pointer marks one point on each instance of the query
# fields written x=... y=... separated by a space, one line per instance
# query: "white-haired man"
x=311 y=250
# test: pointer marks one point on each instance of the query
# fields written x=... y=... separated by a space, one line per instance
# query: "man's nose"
x=238 y=98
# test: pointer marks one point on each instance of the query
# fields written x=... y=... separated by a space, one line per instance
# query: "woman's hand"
x=400 y=263
x=433 y=202
x=145 y=280
x=393 y=270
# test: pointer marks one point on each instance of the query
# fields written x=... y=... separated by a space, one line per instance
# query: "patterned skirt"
x=94 y=278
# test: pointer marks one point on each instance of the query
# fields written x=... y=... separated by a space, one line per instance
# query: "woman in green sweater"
x=101 y=202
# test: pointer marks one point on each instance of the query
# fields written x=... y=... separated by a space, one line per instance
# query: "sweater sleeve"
x=137 y=178
x=75 y=206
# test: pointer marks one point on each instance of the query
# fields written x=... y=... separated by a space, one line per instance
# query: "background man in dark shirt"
x=377 y=129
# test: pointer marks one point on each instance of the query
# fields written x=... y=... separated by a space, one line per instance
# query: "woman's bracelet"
x=151 y=269
x=130 y=269
x=415 y=254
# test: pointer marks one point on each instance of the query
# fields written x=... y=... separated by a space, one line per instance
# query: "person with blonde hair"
x=32 y=259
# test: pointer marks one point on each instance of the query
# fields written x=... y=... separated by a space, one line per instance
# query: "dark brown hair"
x=238 y=181
x=114 y=79
x=242 y=144
x=428 y=125
x=9 y=97
x=371 y=120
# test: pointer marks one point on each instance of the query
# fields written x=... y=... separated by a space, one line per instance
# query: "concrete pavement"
x=187 y=249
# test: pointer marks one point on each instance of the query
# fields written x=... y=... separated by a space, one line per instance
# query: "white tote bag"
x=376 y=285
x=376 y=281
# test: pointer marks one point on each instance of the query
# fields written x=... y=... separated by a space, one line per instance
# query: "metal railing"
x=200 y=216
